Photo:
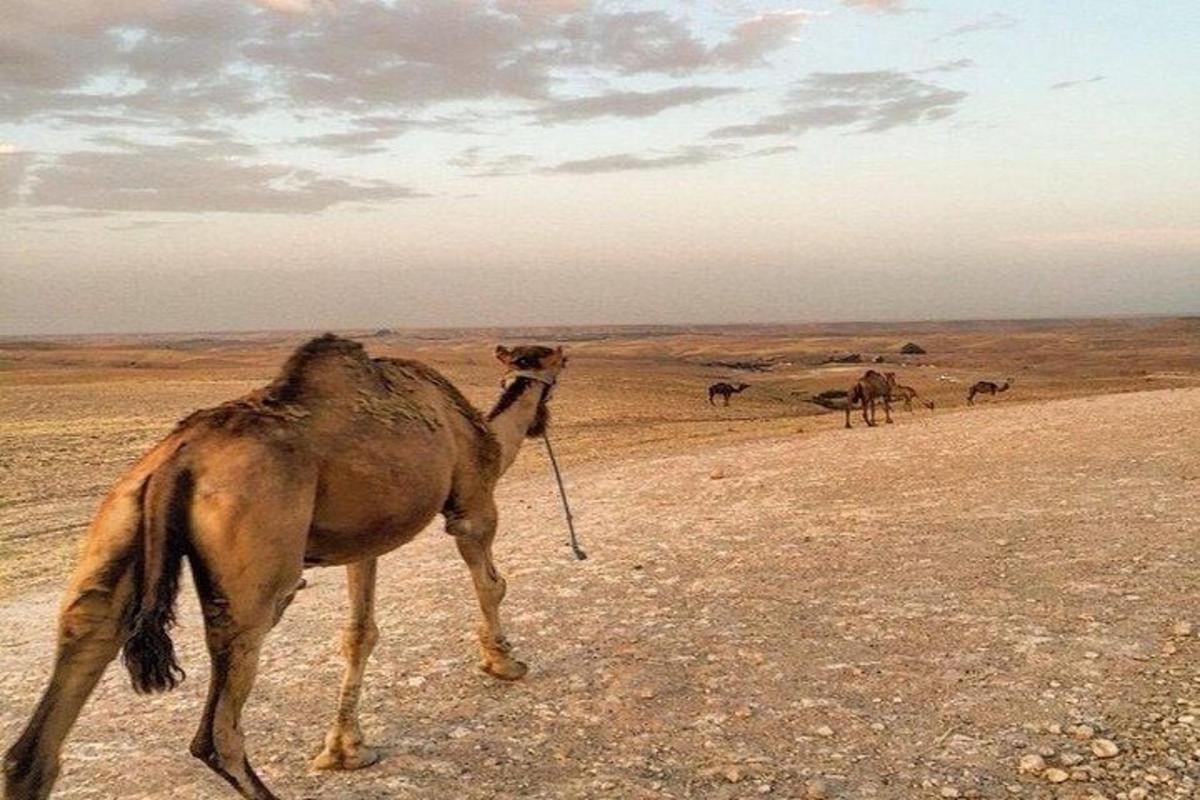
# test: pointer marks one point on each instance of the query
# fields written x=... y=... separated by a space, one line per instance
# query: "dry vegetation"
x=903 y=612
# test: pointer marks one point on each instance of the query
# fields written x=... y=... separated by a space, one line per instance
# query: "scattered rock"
x=816 y=790
x=844 y=358
x=912 y=349
x=1182 y=628
x=1104 y=748
x=824 y=731
x=1082 y=731
x=717 y=474
x=949 y=791
x=1056 y=775
x=1031 y=762
x=1070 y=759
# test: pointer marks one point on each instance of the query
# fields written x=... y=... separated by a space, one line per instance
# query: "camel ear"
x=503 y=354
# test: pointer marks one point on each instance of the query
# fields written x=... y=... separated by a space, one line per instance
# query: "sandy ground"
x=896 y=612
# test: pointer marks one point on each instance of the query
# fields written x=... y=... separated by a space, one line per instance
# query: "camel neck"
x=515 y=413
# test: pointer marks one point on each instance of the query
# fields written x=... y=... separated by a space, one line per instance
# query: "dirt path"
x=898 y=612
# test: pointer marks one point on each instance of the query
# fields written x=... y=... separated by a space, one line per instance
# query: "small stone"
x=732 y=774
x=1055 y=775
x=1104 y=748
x=1091 y=655
x=824 y=731
x=816 y=790
x=1138 y=794
x=1083 y=731
x=460 y=733
x=717 y=474
x=1182 y=628
x=1054 y=727
x=764 y=788
x=949 y=791
x=1031 y=762
x=1070 y=759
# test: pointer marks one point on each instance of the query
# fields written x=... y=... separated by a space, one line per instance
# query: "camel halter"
x=576 y=550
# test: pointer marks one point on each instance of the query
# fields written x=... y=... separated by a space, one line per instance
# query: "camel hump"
x=322 y=354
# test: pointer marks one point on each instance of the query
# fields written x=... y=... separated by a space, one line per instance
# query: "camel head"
x=741 y=387
x=532 y=363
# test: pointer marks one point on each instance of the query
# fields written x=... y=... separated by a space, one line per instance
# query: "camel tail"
x=149 y=652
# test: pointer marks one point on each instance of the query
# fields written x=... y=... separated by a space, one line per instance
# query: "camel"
x=725 y=390
x=987 y=387
x=870 y=387
x=908 y=394
x=339 y=460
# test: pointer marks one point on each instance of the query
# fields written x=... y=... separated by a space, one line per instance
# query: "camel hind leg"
x=344 y=747
x=92 y=626
x=475 y=547
x=247 y=558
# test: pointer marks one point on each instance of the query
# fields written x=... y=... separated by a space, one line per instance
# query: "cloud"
x=13 y=167
x=196 y=179
x=996 y=21
x=871 y=102
x=625 y=162
x=373 y=132
x=879 y=6
x=478 y=165
x=625 y=104
x=947 y=66
x=1080 y=82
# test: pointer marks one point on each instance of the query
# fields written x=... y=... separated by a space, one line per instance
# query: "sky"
x=202 y=165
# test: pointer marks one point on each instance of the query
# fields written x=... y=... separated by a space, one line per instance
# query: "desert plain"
x=989 y=601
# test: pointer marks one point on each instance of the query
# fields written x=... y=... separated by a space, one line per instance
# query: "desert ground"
x=988 y=601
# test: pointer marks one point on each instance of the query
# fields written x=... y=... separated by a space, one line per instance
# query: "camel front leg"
x=887 y=410
x=476 y=550
x=344 y=747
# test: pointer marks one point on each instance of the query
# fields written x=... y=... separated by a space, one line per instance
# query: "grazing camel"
x=908 y=394
x=871 y=386
x=339 y=460
x=987 y=387
x=725 y=390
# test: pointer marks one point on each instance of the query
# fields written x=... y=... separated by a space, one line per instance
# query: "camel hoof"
x=357 y=758
x=507 y=670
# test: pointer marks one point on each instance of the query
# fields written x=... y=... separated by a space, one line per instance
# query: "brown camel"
x=725 y=390
x=987 y=387
x=871 y=386
x=338 y=461
x=908 y=394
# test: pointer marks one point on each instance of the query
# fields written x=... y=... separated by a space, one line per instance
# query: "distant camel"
x=725 y=390
x=340 y=460
x=871 y=386
x=908 y=394
x=987 y=387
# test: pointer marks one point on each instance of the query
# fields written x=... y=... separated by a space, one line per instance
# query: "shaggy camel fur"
x=871 y=386
x=987 y=387
x=339 y=460
x=725 y=390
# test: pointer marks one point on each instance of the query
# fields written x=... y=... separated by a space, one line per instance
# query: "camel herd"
x=340 y=459
x=874 y=387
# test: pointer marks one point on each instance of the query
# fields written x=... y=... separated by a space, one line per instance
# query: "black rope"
x=562 y=492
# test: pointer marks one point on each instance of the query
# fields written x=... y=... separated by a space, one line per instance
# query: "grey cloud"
x=879 y=6
x=653 y=41
x=183 y=179
x=626 y=104
x=624 y=162
x=372 y=133
x=13 y=168
x=996 y=21
x=947 y=66
x=872 y=102
x=478 y=165
x=1081 y=82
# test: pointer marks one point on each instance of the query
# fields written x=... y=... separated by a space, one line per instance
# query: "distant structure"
x=987 y=387
x=912 y=349
x=725 y=390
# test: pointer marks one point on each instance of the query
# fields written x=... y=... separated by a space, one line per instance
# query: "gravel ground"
x=983 y=603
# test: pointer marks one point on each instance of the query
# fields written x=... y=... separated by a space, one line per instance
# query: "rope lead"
x=562 y=492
